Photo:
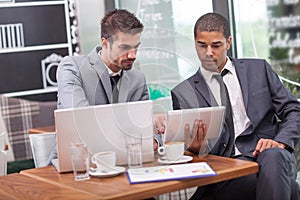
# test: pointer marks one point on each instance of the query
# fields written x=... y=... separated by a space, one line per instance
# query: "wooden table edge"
x=164 y=187
x=41 y=130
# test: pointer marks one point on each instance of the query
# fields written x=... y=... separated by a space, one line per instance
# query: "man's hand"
x=155 y=145
x=266 y=144
x=197 y=139
x=159 y=121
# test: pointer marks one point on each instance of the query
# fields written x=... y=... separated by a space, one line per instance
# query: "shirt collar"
x=229 y=66
x=111 y=73
x=209 y=74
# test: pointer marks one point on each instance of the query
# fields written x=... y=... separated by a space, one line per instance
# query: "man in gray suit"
x=86 y=80
x=105 y=75
x=262 y=121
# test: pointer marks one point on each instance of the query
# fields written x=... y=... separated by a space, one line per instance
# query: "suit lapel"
x=124 y=87
x=242 y=77
x=98 y=65
x=202 y=88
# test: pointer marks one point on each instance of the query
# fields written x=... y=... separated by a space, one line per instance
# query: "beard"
x=127 y=64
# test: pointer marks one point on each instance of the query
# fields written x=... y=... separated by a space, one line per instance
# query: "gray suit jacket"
x=265 y=99
x=84 y=81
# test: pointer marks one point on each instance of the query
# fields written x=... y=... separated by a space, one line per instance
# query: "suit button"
x=224 y=145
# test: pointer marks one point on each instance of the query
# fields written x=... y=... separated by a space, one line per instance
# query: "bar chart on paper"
x=170 y=172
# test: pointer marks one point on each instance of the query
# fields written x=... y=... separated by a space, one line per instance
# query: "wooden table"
x=38 y=130
x=119 y=188
x=19 y=186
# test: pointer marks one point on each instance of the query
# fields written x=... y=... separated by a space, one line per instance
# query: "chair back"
x=41 y=145
x=3 y=154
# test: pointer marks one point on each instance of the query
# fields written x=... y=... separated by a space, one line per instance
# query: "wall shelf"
x=32 y=33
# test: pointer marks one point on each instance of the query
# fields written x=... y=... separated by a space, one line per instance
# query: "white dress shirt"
x=240 y=119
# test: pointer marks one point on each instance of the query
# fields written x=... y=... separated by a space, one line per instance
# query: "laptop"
x=103 y=128
x=213 y=117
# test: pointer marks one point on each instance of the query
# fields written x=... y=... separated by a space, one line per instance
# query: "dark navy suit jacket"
x=266 y=102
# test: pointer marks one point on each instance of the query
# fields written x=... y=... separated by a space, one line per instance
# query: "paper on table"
x=170 y=172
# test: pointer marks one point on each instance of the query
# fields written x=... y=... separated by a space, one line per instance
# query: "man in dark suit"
x=262 y=121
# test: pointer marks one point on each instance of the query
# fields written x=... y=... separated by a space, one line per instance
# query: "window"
x=167 y=54
x=271 y=30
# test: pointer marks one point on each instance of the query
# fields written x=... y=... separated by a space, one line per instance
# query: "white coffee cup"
x=105 y=161
x=172 y=150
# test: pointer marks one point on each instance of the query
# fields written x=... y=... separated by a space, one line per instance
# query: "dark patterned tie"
x=115 y=91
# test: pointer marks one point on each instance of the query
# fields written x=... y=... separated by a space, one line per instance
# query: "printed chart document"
x=170 y=172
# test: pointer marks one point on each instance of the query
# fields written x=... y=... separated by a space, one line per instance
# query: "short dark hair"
x=120 y=20
x=212 y=22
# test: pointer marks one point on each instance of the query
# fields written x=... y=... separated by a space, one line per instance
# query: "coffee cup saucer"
x=104 y=174
x=184 y=159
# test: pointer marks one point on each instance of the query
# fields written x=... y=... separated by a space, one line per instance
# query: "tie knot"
x=114 y=79
x=218 y=77
x=224 y=72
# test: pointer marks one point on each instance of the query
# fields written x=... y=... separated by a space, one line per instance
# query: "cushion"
x=19 y=115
